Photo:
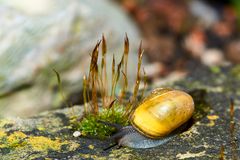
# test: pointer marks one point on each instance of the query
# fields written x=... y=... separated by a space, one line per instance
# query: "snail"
x=159 y=117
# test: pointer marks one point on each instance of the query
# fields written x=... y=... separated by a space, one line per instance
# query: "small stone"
x=212 y=57
x=76 y=134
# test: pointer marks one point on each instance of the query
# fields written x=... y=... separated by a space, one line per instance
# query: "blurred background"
x=38 y=36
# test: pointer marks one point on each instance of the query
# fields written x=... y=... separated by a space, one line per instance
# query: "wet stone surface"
x=49 y=135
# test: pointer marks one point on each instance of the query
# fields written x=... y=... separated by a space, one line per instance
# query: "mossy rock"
x=50 y=134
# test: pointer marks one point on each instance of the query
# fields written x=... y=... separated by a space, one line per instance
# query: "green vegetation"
x=90 y=125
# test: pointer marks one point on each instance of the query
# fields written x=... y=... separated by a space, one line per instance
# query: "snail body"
x=162 y=115
x=128 y=136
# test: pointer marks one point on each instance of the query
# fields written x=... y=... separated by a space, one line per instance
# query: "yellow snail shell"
x=162 y=112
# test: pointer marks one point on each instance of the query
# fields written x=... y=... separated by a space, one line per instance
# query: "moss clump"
x=96 y=87
x=90 y=125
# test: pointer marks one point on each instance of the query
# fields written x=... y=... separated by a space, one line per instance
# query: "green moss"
x=90 y=124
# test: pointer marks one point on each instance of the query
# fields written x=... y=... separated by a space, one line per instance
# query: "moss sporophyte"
x=102 y=103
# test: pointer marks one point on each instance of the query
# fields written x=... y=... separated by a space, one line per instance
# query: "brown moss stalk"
x=144 y=84
x=113 y=76
x=61 y=88
x=124 y=71
x=221 y=155
x=85 y=100
x=138 y=79
x=104 y=91
x=125 y=85
x=93 y=75
x=126 y=52
x=117 y=74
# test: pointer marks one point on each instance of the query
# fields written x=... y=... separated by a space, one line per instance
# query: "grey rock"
x=207 y=132
x=37 y=36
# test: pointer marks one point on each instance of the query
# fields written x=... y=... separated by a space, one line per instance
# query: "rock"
x=76 y=134
x=37 y=36
x=49 y=135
